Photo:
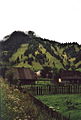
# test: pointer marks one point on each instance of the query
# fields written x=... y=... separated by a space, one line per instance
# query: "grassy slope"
x=2 y=99
x=15 y=105
x=35 y=65
x=66 y=104
x=53 y=61
x=51 y=58
x=19 y=52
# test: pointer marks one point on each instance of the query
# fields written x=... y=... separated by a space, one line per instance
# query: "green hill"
x=21 y=49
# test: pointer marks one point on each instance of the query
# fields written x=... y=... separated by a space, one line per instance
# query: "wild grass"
x=16 y=105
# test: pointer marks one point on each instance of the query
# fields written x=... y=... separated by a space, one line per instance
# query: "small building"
x=23 y=75
x=70 y=76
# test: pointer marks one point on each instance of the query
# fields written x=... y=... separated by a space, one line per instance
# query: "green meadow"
x=68 y=105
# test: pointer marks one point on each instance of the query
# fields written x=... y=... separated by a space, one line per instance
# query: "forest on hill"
x=22 y=49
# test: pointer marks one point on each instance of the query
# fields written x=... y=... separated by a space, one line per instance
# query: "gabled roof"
x=23 y=73
x=65 y=74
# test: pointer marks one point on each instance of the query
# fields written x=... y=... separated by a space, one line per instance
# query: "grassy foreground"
x=15 y=105
x=65 y=104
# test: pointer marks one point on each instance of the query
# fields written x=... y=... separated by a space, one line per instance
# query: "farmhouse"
x=70 y=76
x=24 y=75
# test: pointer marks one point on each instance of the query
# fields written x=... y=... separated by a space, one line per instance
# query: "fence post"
x=37 y=91
x=49 y=89
x=69 y=116
x=41 y=90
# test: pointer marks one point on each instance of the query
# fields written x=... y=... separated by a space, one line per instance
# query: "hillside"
x=21 y=49
x=15 y=105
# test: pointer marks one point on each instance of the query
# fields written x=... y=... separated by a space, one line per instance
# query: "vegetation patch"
x=68 y=105
x=16 y=105
x=20 y=52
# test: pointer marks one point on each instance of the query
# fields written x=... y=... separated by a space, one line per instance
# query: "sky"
x=58 y=20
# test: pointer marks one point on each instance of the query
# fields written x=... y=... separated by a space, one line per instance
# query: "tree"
x=46 y=72
x=41 y=58
x=30 y=60
x=31 y=33
x=17 y=60
x=73 y=68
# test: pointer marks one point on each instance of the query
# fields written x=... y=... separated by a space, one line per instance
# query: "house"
x=70 y=76
x=23 y=75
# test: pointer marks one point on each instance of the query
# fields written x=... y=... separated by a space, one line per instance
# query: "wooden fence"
x=54 y=114
x=53 y=89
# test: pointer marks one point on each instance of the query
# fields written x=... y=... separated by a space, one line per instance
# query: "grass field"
x=65 y=104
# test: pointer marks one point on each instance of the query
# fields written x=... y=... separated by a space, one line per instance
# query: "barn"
x=70 y=76
x=23 y=75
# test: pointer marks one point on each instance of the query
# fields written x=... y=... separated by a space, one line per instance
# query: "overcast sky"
x=58 y=20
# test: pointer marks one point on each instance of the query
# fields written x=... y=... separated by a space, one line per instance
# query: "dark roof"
x=65 y=74
x=23 y=73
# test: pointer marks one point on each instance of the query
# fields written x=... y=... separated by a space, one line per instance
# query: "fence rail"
x=53 y=89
